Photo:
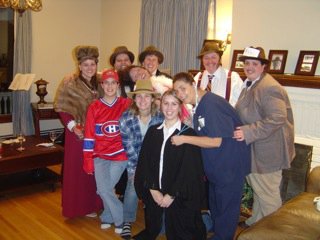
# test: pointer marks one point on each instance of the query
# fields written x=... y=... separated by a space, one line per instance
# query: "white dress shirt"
x=219 y=83
x=167 y=132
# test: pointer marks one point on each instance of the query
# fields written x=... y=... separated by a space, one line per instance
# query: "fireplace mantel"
x=289 y=80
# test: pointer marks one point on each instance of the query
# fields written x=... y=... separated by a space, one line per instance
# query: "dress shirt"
x=167 y=132
x=219 y=83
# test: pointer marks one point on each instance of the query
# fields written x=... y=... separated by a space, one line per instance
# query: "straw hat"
x=120 y=50
x=143 y=86
x=151 y=50
x=255 y=53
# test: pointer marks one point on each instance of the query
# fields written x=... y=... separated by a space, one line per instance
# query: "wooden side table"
x=45 y=112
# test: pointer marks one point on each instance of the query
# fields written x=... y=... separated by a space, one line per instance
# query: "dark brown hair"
x=183 y=76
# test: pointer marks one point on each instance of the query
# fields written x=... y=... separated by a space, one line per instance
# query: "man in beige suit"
x=265 y=111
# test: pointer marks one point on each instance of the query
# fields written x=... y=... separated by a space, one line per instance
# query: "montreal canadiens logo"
x=110 y=128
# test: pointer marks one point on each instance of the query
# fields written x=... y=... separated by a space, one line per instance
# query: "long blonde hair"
x=172 y=93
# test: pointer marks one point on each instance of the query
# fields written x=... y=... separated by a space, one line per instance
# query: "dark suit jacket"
x=182 y=176
x=158 y=73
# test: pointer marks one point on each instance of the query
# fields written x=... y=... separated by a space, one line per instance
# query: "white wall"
x=290 y=25
x=57 y=29
x=277 y=24
x=224 y=26
x=120 y=25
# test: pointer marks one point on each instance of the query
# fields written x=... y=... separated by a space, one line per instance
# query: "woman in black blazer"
x=170 y=179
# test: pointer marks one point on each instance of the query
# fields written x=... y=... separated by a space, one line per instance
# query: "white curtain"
x=21 y=110
x=177 y=28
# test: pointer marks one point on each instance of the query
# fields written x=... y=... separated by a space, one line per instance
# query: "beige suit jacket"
x=267 y=115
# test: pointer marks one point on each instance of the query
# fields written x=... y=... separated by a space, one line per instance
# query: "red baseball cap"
x=106 y=74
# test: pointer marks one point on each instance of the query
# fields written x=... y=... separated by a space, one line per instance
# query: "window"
x=6 y=61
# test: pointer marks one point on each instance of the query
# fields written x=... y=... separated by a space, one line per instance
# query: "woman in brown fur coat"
x=73 y=97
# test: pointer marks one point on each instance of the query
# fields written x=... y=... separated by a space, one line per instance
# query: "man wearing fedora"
x=120 y=59
x=215 y=78
x=264 y=109
x=151 y=58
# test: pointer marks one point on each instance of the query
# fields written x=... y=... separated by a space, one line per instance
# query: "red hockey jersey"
x=102 y=133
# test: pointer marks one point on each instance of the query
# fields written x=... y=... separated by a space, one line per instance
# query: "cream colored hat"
x=255 y=54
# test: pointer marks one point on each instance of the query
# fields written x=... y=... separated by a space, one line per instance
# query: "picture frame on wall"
x=236 y=64
x=307 y=63
x=278 y=59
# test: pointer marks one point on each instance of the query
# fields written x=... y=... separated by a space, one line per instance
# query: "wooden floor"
x=35 y=213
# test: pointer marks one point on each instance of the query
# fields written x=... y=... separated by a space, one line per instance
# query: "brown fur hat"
x=83 y=53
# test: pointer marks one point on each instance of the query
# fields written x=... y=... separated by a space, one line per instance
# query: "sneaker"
x=92 y=215
x=105 y=225
x=118 y=229
x=126 y=231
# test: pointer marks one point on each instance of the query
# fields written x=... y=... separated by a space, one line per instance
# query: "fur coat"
x=74 y=96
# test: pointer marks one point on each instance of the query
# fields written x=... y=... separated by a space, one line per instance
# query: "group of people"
x=185 y=144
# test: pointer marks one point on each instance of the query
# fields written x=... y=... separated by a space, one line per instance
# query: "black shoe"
x=243 y=225
x=121 y=198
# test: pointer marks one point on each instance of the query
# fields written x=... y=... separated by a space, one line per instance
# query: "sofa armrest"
x=313 y=184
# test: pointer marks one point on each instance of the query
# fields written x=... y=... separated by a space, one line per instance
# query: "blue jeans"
x=130 y=202
x=107 y=174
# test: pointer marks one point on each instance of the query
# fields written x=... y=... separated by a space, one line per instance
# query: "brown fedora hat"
x=210 y=47
x=150 y=50
x=255 y=53
x=120 y=50
x=143 y=86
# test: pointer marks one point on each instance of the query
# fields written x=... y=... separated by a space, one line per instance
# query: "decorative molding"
x=294 y=80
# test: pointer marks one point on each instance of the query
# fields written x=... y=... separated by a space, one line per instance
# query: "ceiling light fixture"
x=22 y=5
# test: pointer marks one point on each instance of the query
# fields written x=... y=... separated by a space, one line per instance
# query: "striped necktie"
x=208 y=88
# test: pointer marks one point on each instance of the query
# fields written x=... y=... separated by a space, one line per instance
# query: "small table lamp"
x=41 y=90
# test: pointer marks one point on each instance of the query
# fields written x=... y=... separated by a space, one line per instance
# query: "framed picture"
x=307 y=63
x=278 y=59
x=236 y=64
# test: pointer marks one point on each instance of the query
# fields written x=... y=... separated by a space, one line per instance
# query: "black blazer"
x=182 y=176
x=158 y=73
